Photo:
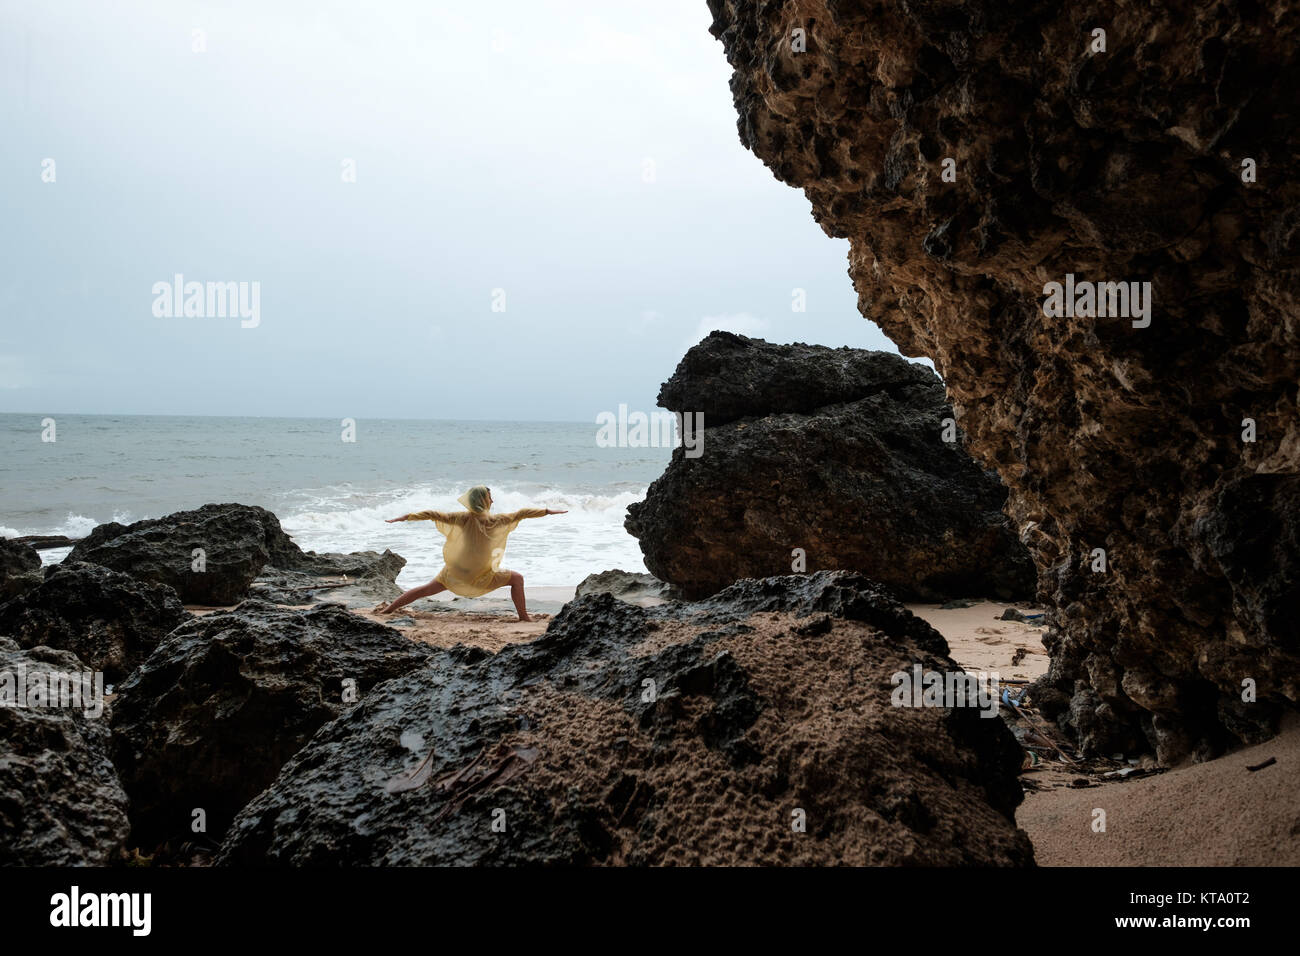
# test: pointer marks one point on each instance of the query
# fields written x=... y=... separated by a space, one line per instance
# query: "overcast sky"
x=581 y=156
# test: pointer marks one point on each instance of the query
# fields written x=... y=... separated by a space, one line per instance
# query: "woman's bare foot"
x=524 y=617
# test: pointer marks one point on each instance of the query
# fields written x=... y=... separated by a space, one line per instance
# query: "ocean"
x=333 y=495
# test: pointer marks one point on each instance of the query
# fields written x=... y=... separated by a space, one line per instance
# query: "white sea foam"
x=78 y=526
x=556 y=551
x=73 y=526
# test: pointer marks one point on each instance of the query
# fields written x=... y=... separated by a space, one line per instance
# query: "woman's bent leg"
x=424 y=590
x=517 y=595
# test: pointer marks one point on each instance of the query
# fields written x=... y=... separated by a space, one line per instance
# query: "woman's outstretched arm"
x=425 y=516
x=523 y=513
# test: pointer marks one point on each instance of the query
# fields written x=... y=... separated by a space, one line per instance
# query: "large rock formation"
x=60 y=800
x=756 y=727
x=20 y=568
x=1163 y=149
x=111 y=621
x=838 y=452
x=208 y=720
x=210 y=555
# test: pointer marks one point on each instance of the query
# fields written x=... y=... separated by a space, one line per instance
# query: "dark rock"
x=20 y=568
x=111 y=621
x=1116 y=166
x=46 y=542
x=630 y=586
x=866 y=485
x=358 y=564
x=224 y=700
x=1253 y=535
x=562 y=742
x=359 y=579
x=236 y=541
x=728 y=377
x=60 y=800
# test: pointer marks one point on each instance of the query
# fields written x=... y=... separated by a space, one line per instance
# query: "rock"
x=771 y=705
x=1011 y=614
x=20 y=568
x=235 y=541
x=1253 y=536
x=867 y=484
x=111 y=621
x=1163 y=159
x=727 y=377
x=630 y=586
x=358 y=564
x=46 y=542
x=60 y=800
x=360 y=579
x=225 y=699
x=242 y=544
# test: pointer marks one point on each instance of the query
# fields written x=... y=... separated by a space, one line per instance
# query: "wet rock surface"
x=61 y=803
x=20 y=568
x=245 y=553
x=224 y=700
x=111 y=621
x=45 y=542
x=230 y=542
x=866 y=483
x=681 y=733
x=1119 y=165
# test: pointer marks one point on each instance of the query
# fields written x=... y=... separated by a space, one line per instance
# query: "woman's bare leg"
x=424 y=590
x=517 y=595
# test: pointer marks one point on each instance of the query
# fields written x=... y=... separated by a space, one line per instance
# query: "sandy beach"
x=1217 y=813
x=487 y=630
x=981 y=641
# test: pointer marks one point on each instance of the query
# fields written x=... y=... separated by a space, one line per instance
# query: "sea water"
x=331 y=494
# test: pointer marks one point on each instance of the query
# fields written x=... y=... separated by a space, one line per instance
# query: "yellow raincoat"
x=476 y=542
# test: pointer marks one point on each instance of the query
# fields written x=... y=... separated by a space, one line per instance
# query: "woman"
x=476 y=540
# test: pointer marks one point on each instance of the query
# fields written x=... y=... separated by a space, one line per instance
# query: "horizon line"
x=504 y=421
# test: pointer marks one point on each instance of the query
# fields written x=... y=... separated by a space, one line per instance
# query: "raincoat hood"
x=476 y=499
